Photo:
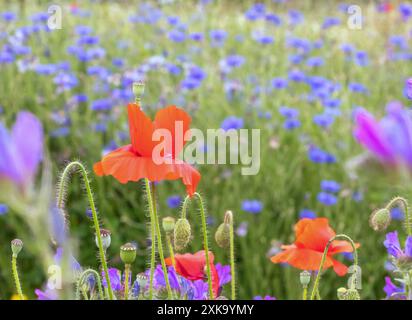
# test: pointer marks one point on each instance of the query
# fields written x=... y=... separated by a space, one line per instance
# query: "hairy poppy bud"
x=168 y=224
x=182 y=234
x=128 y=253
x=106 y=238
x=222 y=235
x=380 y=219
x=352 y=294
x=138 y=89
x=16 y=246
x=342 y=293
x=304 y=278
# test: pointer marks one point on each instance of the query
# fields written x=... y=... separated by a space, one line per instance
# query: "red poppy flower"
x=312 y=236
x=136 y=161
x=193 y=267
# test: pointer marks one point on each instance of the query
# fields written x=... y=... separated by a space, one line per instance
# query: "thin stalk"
x=152 y=207
x=126 y=281
x=92 y=205
x=83 y=277
x=315 y=289
x=205 y=237
x=16 y=276
x=232 y=259
x=171 y=251
x=404 y=203
x=305 y=293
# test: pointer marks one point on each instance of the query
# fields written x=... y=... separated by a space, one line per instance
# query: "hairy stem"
x=315 y=289
x=83 y=277
x=171 y=251
x=16 y=276
x=232 y=260
x=102 y=256
x=205 y=237
x=153 y=212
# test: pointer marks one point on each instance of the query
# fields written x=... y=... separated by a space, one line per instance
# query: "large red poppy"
x=312 y=236
x=136 y=161
x=193 y=267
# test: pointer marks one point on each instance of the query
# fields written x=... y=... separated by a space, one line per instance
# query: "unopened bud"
x=105 y=235
x=128 y=253
x=304 y=278
x=182 y=234
x=380 y=219
x=16 y=246
x=168 y=224
x=222 y=235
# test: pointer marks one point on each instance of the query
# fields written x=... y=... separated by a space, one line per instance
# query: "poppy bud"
x=222 y=235
x=168 y=224
x=106 y=238
x=380 y=219
x=352 y=294
x=16 y=246
x=304 y=278
x=128 y=253
x=182 y=234
x=342 y=293
x=138 y=89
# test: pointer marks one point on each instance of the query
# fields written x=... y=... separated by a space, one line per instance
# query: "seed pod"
x=304 y=278
x=182 y=234
x=352 y=294
x=168 y=224
x=16 y=246
x=128 y=253
x=106 y=238
x=342 y=293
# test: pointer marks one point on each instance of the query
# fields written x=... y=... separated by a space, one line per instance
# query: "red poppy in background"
x=312 y=236
x=135 y=161
x=193 y=267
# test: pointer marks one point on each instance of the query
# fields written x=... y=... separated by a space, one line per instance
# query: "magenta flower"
x=21 y=149
x=390 y=139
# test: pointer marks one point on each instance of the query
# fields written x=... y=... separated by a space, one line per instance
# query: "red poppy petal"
x=172 y=118
x=141 y=130
x=315 y=234
x=339 y=268
x=125 y=166
x=304 y=259
x=192 y=266
x=339 y=246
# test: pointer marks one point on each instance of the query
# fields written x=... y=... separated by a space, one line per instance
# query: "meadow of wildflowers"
x=90 y=210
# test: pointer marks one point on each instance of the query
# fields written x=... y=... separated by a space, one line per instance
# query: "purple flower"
x=21 y=149
x=393 y=246
x=174 y=202
x=3 y=209
x=306 y=213
x=391 y=289
x=241 y=231
x=48 y=294
x=115 y=279
x=389 y=139
x=327 y=199
x=397 y=214
x=224 y=274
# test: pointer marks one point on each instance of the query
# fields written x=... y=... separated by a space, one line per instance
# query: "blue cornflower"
x=177 y=36
x=323 y=120
x=296 y=75
x=306 y=213
x=295 y=17
x=3 y=209
x=60 y=132
x=327 y=199
x=232 y=122
x=101 y=105
x=273 y=18
x=252 y=206
x=65 y=81
x=330 y=22
x=361 y=58
x=288 y=112
x=405 y=10
x=8 y=16
x=174 y=202
x=197 y=36
x=218 y=36
x=318 y=155
x=235 y=60
x=291 y=124
x=279 y=83
x=357 y=87
x=330 y=186
x=397 y=214
x=315 y=62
